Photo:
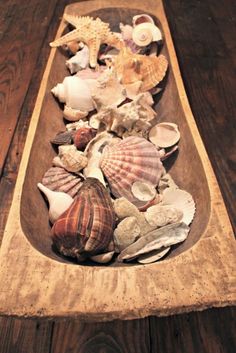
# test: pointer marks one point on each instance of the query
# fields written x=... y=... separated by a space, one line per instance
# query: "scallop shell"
x=86 y=228
x=70 y=158
x=133 y=159
x=181 y=200
x=91 y=32
x=59 y=179
x=156 y=239
x=164 y=135
x=146 y=33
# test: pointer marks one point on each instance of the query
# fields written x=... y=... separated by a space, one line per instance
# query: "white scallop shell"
x=181 y=200
x=164 y=135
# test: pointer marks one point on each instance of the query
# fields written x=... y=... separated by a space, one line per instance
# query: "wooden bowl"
x=197 y=274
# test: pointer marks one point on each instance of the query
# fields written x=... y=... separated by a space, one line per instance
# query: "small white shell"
x=164 y=135
x=146 y=33
x=143 y=191
x=182 y=200
x=153 y=256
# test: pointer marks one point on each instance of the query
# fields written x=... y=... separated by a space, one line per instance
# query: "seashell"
x=108 y=90
x=164 y=135
x=143 y=18
x=70 y=158
x=59 y=202
x=166 y=181
x=131 y=68
x=181 y=200
x=160 y=216
x=89 y=73
x=133 y=159
x=73 y=114
x=143 y=191
x=83 y=136
x=146 y=33
x=86 y=228
x=59 y=179
x=75 y=93
x=91 y=32
x=153 y=256
x=63 y=138
x=156 y=239
x=103 y=258
x=76 y=125
x=126 y=233
x=79 y=61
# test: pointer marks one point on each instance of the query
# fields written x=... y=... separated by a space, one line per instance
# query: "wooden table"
x=204 y=36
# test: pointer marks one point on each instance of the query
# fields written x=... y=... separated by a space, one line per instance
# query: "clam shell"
x=86 y=228
x=153 y=256
x=182 y=200
x=156 y=239
x=164 y=135
x=133 y=159
x=58 y=179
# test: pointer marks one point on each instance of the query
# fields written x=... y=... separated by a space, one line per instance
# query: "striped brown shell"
x=86 y=228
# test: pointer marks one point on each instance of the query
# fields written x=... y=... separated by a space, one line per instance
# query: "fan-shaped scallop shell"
x=58 y=179
x=181 y=200
x=86 y=228
x=133 y=159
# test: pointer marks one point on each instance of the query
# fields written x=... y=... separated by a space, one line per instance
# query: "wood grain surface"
x=211 y=92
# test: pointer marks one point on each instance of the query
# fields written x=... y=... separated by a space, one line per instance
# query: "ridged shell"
x=58 y=179
x=133 y=159
x=182 y=200
x=86 y=228
x=164 y=135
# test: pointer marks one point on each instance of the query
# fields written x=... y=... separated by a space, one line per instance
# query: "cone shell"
x=86 y=228
x=58 y=179
x=131 y=160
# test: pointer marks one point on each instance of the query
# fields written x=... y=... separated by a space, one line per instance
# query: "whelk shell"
x=164 y=135
x=86 y=228
x=59 y=179
x=133 y=159
x=156 y=239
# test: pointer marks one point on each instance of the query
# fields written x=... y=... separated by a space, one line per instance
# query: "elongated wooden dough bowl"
x=197 y=274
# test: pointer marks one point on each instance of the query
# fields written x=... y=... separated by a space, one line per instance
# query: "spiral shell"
x=145 y=33
x=131 y=160
x=86 y=228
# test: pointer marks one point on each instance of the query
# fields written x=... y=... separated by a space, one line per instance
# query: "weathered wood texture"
x=214 y=25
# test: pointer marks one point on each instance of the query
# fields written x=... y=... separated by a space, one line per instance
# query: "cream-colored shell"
x=70 y=158
x=143 y=191
x=153 y=256
x=164 y=135
x=73 y=114
x=79 y=61
x=103 y=258
x=146 y=33
x=126 y=233
x=159 y=215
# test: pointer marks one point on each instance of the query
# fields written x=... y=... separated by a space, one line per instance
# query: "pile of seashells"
x=109 y=194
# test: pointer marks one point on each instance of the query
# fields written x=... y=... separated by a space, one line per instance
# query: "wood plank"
x=24 y=336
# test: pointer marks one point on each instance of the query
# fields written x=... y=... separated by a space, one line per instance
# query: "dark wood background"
x=204 y=35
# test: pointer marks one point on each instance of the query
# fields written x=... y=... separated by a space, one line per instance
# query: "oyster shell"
x=156 y=239
x=133 y=159
x=59 y=179
x=164 y=135
x=70 y=158
x=182 y=200
x=160 y=216
x=153 y=256
x=126 y=233
x=86 y=228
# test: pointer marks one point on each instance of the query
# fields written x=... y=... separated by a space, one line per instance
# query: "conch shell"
x=86 y=228
x=91 y=32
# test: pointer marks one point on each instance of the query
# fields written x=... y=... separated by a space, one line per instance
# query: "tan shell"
x=91 y=32
x=153 y=256
x=160 y=216
x=156 y=239
x=164 y=135
x=182 y=200
x=143 y=191
x=70 y=158
x=126 y=233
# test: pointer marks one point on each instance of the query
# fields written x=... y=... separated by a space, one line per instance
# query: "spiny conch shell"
x=164 y=135
x=75 y=93
x=153 y=256
x=103 y=258
x=70 y=158
x=86 y=228
x=143 y=18
x=63 y=138
x=160 y=216
x=59 y=202
x=79 y=61
x=82 y=137
x=108 y=90
x=156 y=239
x=59 y=179
x=91 y=32
x=126 y=233
x=182 y=200
x=146 y=33
x=133 y=159
x=131 y=68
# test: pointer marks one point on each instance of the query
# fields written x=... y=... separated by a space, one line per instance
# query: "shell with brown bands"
x=86 y=228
